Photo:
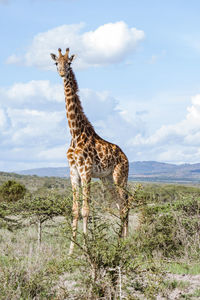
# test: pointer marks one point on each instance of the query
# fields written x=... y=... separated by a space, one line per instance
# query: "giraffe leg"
x=85 y=182
x=109 y=186
x=75 y=181
x=120 y=180
x=118 y=192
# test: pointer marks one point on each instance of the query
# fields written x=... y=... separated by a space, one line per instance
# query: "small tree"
x=43 y=208
x=12 y=191
x=104 y=257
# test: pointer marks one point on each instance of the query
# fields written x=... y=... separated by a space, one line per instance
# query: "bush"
x=169 y=228
x=12 y=191
x=19 y=282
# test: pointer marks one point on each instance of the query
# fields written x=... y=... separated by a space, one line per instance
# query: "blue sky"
x=137 y=65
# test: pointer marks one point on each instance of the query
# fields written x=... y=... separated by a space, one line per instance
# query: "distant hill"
x=150 y=167
x=156 y=171
x=139 y=171
x=50 y=172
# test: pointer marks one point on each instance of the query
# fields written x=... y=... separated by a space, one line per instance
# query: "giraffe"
x=89 y=155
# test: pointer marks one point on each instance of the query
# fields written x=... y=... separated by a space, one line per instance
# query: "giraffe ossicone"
x=89 y=155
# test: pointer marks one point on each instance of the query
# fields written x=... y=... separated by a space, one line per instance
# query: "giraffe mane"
x=76 y=89
x=75 y=83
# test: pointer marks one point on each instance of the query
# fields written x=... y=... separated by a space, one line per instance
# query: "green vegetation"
x=12 y=191
x=160 y=257
x=183 y=268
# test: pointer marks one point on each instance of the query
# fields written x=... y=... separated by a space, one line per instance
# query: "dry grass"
x=25 y=269
x=164 y=244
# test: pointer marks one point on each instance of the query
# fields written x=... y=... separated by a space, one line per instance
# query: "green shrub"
x=169 y=228
x=17 y=283
x=12 y=191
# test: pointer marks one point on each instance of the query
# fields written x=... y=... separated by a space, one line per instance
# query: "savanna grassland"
x=159 y=260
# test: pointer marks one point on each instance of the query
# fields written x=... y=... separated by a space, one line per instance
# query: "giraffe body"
x=89 y=155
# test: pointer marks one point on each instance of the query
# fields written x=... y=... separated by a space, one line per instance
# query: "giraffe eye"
x=56 y=63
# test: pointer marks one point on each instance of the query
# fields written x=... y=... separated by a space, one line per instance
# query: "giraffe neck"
x=77 y=120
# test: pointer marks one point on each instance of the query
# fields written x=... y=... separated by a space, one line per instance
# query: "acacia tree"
x=43 y=208
x=17 y=204
x=102 y=254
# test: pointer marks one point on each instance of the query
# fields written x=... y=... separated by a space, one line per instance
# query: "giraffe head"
x=63 y=62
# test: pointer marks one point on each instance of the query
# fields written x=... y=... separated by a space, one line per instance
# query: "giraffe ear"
x=72 y=58
x=53 y=56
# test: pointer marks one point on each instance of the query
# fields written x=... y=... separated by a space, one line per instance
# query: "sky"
x=138 y=70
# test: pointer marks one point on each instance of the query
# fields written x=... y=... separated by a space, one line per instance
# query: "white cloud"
x=13 y=59
x=55 y=153
x=33 y=126
x=34 y=93
x=108 y=120
x=109 y=43
x=3 y=119
x=34 y=130
x=179 y=142
x=103 y=103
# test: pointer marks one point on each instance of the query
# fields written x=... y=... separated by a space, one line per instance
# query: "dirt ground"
x=189 y=287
